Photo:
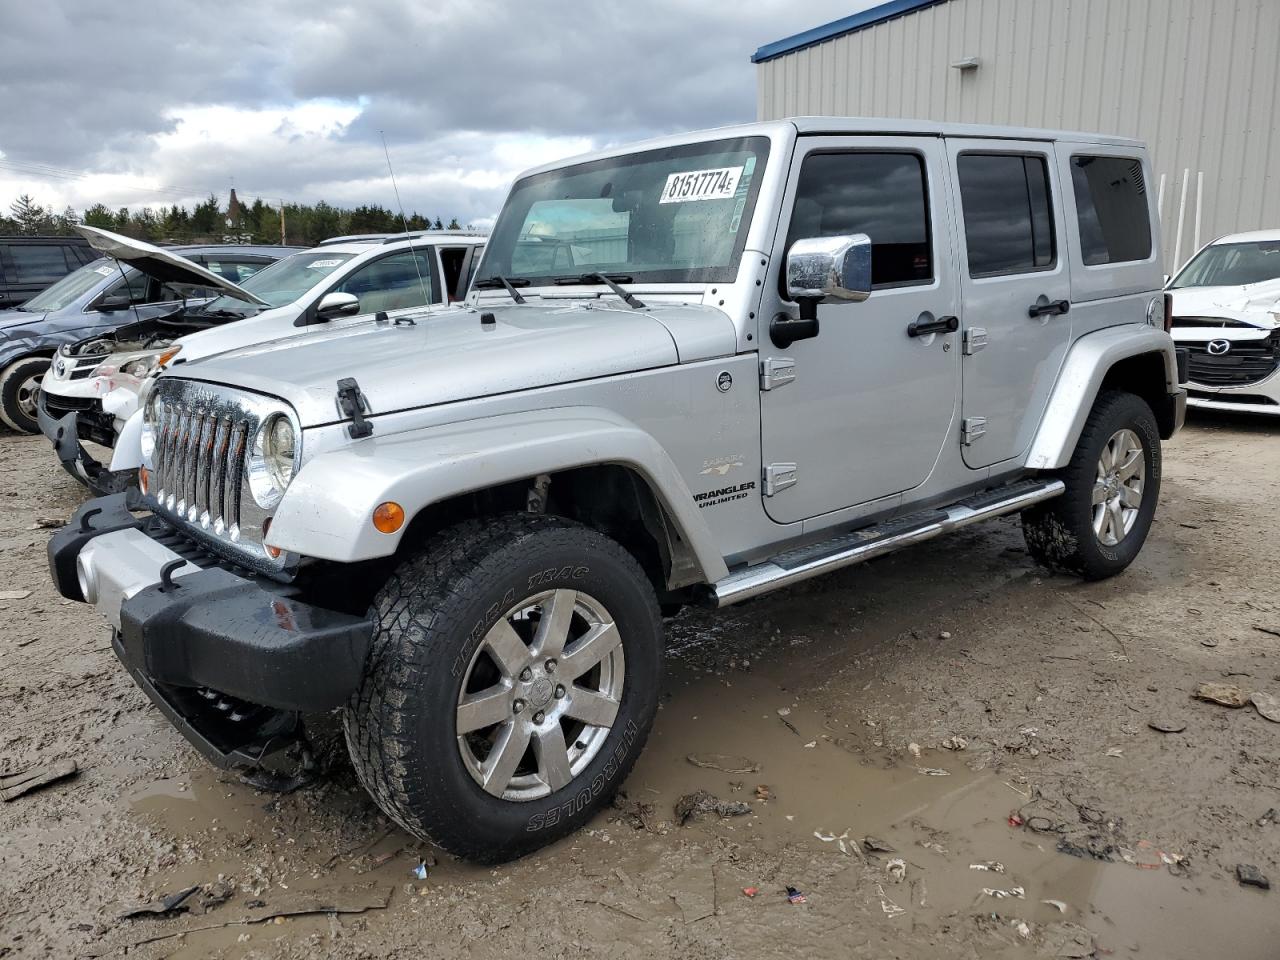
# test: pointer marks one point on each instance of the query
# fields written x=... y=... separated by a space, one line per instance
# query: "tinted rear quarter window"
x=880 y=194
x=1008 y=221
x=1111 y=209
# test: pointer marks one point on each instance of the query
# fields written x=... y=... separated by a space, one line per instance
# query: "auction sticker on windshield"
x=322 y=264
x=718 y=184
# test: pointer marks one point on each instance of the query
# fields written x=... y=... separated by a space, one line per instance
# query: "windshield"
x=283 y=282
x=73 y=286
x=674 y=215
x=1231 y=265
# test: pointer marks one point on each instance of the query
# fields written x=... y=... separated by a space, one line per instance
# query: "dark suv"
x=29 y=264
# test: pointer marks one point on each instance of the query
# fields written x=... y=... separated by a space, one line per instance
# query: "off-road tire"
x=429 y=619
x=1059 y=533
x=12 y=379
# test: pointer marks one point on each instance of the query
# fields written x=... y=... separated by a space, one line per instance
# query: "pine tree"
x=27 y=214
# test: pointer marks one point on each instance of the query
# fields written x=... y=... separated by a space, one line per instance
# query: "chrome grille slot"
x=199 y=464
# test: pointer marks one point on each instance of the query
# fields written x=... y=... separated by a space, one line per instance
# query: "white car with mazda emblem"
x=692 y=370
x=1226 y=315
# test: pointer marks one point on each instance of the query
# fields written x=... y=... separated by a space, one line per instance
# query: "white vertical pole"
x=1199 y=197
x=1182 y=216
x=1160 y=199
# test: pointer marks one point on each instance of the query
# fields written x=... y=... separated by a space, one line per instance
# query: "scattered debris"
x=1059 y=905
x=896 y=869
x=872 y=845
x=1209 y=642
x=1270 y=817
x=723 y=763
x=811 y=744
x=14 y=594
x=14 y=786
x=1115 y=752
x=1018 y=893
x=1094 y=848
x=1015 y=819
x=694 y=805
x=638 y=814
x=991 y=866
x=1041 y=825
x=1166 y=725
x=795 y=896
x=784 y=711
x=1273 y=631
x=944 y=635
x=168 y=905
x=1023 y=929
x=1225 y=694
x=750 y=891
x=933 y=771
x=1266 y=705
x=763 y=793
x=839 y=841
x=420 y=871
x=914 y=750
x=890 y=908
x=955 y=743
x=48 y=523
x=1251 y=876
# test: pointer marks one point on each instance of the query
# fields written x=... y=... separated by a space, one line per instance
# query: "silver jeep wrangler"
x=691 y=371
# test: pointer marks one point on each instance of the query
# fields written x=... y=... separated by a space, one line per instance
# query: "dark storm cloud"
x=457 y=87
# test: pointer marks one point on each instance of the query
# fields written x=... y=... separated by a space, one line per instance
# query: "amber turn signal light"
x=272 y=552
x=144 y=480
x=388 y=517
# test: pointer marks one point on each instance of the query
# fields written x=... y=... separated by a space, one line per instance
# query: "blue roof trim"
x=837 y=28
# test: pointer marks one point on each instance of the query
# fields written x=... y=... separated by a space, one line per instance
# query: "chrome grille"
x=193 y=465
x=201 y=441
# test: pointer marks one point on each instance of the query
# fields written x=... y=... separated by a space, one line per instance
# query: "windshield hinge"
x=778 y=476
x=352 y=403
x=776 y=371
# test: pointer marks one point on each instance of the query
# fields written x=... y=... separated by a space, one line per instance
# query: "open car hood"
x=164 y=265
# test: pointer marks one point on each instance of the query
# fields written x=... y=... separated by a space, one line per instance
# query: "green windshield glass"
x=73 y=286
x=285 y=280
x=674 y=214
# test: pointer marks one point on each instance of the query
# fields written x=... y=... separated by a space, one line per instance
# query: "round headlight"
x=278 y=449
x=271 y=460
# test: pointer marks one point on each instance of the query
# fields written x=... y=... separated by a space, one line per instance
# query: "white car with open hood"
x=1226 y=315
x=94 y=388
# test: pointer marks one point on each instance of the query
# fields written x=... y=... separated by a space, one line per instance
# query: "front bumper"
x=63 y=431
x=194 y=633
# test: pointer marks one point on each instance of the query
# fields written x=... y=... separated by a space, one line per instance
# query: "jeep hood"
x=450 y=355
x=1257 y=304
x=165 y=265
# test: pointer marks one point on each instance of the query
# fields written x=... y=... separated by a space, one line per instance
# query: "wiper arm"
x=497 y=280
x=630 y=299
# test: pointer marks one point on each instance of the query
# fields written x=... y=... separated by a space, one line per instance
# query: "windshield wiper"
x=500 y=281
x=630 y=299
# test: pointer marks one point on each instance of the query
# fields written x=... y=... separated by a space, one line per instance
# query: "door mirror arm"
x=822 y=270
x=784 y=331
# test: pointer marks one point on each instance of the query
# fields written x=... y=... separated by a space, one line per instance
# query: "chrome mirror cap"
x=337 y=304
x=830 y=269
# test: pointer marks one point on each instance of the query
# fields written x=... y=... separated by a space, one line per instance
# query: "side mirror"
x=336 y=304
x=113 y=304
x=822 y=270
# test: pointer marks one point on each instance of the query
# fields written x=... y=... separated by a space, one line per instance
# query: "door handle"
x=1048 y=308
x=918 y=328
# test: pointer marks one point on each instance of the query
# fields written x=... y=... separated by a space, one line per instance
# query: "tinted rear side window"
x=880 y=194
x=38 y=263
x=1008 y=223
x=1111 y=208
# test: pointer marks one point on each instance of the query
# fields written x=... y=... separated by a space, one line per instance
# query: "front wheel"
x=511 y=683
x=1100 y=522
x=19 y=390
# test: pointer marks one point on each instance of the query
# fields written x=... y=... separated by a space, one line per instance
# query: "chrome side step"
x=861 y=545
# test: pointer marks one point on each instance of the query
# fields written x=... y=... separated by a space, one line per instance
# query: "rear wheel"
x=19 y=389
x=1100 y=522
x=512 y=682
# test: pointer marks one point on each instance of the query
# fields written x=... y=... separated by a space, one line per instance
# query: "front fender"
x=127 y=454
x=328 y=508
x=1081 y=378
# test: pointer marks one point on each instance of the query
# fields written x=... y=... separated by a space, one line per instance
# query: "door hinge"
x=776 y=371
x=778 y=476
x=975 y=338
x=974 y=427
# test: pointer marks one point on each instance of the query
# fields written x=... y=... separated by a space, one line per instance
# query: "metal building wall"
x=1198 y=80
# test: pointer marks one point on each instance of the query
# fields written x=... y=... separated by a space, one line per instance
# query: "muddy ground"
x=1129 y=837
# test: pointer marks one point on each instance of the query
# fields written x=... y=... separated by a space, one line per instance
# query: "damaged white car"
x=1226 y=316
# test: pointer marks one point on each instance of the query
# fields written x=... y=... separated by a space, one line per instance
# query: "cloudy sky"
x=163 y=101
